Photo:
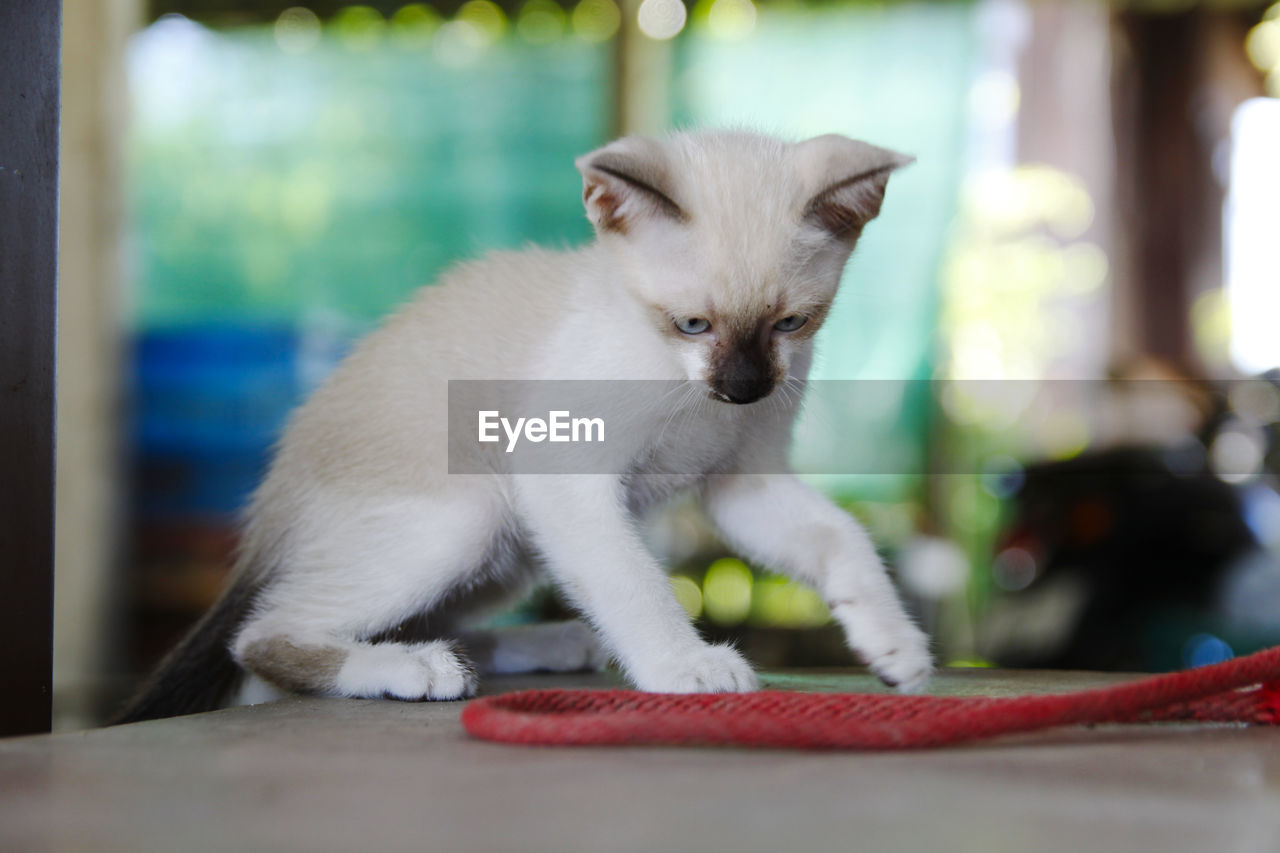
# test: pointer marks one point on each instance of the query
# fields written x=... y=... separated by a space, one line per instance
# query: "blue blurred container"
x=209 y=402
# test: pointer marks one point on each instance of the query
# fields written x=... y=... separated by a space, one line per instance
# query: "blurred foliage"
x=1017 y=270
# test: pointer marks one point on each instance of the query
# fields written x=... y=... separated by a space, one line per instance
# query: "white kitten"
x=717 y=258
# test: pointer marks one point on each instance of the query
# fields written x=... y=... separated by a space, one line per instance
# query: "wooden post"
x=642 y=77
x=30 y=35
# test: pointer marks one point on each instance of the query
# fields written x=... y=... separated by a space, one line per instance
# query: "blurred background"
x=1073 y=297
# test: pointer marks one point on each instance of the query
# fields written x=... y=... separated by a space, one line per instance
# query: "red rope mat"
x=1244 y=690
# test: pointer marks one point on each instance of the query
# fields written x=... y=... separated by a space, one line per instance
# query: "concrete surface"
x=325 y=774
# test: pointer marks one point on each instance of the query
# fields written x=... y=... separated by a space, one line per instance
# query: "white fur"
x=359 y=526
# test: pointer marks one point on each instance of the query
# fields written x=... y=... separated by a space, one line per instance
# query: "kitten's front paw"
x=907 y=666
x=894 y=649
x=709 y=669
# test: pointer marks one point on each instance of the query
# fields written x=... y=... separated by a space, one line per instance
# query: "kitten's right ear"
x=626 y=182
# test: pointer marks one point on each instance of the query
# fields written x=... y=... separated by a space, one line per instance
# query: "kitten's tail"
x=199 y=673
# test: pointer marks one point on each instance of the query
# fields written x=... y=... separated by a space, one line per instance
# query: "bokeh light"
x=688 y=594
x=661 y=19
x=731 y=19
x=781 y=603
x=486 y=17
x=1084 y=268
x=1205 y=649
x=1211 y=328
x=726 y=591
x=297 y=30
x=457 y=43
x=1253 y=208
x=1255 y=401
x=1263 y=45
x=932 y=567
x=1014 y=569
x=358 y=28
x=541 y=22
x=413 y=27
x=596 y=20
x=1237 y=453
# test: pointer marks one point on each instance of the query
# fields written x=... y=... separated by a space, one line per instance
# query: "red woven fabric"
x=1244 y=690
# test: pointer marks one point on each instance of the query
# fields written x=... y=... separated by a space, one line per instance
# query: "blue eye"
x=790 y=324
x=692 y=325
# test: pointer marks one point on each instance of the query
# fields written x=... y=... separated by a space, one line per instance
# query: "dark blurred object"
x=1146 y=557
x=1119 y=560
x=1128 y=540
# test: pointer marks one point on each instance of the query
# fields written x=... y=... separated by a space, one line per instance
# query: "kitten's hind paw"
x=412 y=673
x=709 y=669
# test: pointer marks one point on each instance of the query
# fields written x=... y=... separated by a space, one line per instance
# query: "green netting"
x=268 y=185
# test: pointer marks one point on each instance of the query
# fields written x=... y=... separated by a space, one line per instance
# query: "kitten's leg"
x=329 y=666
x=569 y=646
x=781 y=523
x=354 y=579
x=592 y=549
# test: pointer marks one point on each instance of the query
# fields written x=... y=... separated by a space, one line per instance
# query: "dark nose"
x=743 y=376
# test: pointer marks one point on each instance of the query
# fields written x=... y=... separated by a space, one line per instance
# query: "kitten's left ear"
x=847 y=179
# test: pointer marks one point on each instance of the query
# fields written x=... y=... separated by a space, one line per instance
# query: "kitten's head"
x=734 y=243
